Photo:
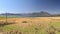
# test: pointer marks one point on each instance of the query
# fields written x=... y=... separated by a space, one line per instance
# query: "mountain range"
x=33 y=14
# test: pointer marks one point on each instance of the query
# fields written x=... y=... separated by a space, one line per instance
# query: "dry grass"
x=43 y=22
x=31 y=21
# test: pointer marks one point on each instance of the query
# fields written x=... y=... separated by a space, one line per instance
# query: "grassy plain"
x=32 y=25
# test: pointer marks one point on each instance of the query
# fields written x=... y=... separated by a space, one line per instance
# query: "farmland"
x=31 y=25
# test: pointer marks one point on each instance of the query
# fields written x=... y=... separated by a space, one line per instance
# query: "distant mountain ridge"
x=34 y=14
x=41 y=14
x=10 y=15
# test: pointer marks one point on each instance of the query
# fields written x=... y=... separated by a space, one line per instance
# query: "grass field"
x=37 y=25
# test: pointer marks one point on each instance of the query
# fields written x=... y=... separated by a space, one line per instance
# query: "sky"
x=28 y=6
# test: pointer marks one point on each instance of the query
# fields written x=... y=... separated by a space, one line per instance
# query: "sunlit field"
x=30 y=25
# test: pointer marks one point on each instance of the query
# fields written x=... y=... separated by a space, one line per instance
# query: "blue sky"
x=27 y=6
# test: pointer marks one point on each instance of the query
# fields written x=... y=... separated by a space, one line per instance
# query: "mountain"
x=10 y=15
x=40 y=14
x=33 y=14
x=54 y=15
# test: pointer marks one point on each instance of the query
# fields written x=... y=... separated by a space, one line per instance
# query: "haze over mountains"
x=33 y=14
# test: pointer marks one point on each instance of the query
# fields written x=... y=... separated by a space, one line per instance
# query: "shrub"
x=24 y=21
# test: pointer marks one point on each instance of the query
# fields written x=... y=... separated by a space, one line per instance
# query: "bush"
x=24 y=21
